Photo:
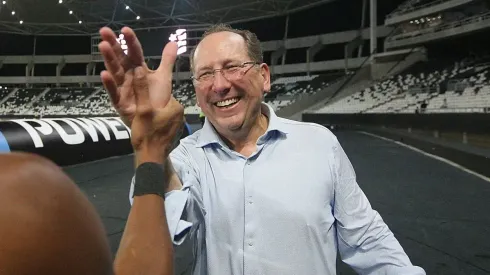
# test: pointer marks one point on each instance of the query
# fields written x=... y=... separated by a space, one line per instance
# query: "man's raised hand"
x=119 y=77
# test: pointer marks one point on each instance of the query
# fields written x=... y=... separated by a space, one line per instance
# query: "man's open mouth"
x=227 y=103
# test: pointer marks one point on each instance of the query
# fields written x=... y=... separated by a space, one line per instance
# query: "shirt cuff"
x=406 y=270
x=175 y=202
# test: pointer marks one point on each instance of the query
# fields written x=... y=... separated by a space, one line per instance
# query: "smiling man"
x=259 y=194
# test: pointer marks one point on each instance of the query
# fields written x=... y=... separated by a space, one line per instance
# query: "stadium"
x=403 y=84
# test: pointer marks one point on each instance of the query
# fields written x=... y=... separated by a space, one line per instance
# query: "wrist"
x=150 y=179
x=154 y=155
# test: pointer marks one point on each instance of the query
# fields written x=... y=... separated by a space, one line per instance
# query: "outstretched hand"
x=119 y=77
x=142 y=97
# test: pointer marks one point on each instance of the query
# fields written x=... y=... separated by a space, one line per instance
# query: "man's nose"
x=221 y=85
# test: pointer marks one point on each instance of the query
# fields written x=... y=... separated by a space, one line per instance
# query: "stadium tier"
x=412 y=5
x=427 y=87
x=45 y=102
x=286 y=90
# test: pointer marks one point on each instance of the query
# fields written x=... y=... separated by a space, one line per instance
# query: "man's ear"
x=266 y=74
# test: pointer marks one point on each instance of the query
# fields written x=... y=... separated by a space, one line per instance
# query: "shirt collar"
x=209 y=135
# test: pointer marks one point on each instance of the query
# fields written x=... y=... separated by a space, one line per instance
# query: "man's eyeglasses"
x=230 y=72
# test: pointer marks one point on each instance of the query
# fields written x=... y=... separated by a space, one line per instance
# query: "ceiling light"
x=21 y=22
x=80 y=22
x=71 y=12
x=127 y=7
x=138 y=17
x=61 y=1
x=13 y=12
x=4 y=2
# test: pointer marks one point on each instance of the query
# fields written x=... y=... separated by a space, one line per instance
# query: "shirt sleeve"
x=185 y=216
x=365 y=242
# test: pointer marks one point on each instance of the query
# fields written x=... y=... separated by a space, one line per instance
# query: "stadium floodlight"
x=180 y=36
x=123 y=44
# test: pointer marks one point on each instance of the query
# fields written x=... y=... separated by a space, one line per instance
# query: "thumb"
x=164 y=75
x=169 y=55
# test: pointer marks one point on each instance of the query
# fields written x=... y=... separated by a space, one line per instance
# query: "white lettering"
x=90 y=126
x=120 y=120
x=112 y=124
x=43 y=128
x=72 y=139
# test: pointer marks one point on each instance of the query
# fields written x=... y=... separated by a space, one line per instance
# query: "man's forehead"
x=219 y=45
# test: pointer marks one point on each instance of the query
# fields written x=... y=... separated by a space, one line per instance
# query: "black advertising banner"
x=67 y=141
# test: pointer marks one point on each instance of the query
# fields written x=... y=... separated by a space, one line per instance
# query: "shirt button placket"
x=249 y=245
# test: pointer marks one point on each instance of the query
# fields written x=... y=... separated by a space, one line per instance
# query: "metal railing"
x=458 y=110
x=442 y=27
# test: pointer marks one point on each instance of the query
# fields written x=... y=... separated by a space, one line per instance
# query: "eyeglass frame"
x=242 y=66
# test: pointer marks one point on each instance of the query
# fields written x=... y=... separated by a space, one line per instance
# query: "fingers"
x=110 y=86
x=117 y=54
x=112 y=62
x=169 y=55
x=108 y=35
x=113 y=54
x=135 y=51
x=141 y=91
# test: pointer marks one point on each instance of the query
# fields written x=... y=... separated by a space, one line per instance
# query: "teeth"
x=227 y=102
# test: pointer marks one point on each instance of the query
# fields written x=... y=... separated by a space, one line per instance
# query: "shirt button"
x=250 y=244
x=250 y=202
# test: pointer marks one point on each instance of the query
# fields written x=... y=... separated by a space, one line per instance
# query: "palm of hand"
x=159 y=89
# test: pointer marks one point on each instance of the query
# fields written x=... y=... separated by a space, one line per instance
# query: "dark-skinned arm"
x=146 y=246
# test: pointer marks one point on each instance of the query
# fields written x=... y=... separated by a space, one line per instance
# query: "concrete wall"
x=384 y=69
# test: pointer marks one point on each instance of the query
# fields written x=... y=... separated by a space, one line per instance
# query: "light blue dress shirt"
x=285 y=210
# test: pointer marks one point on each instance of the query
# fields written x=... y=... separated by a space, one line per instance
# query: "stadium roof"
x=84 y=17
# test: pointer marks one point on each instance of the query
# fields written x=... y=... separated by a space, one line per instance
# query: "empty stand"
x=286 y=90
x=45 y=102
x=427 y=87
